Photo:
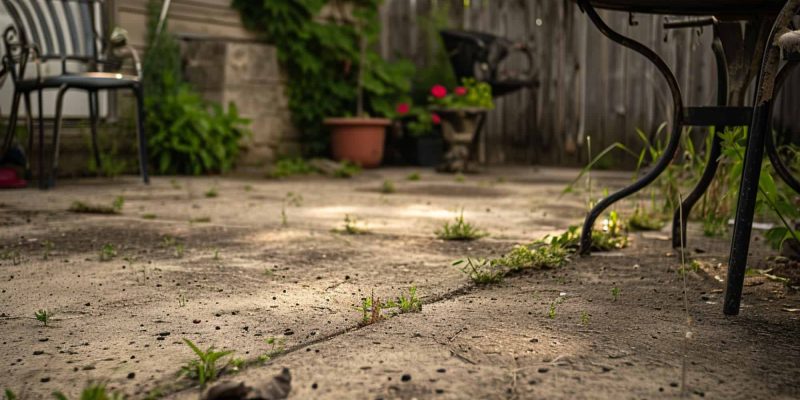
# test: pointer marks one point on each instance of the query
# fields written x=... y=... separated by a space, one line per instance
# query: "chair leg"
x=678 y=223
x=56 y=134
x=12 y=123
x=93 y=116
x=42 y=180
x=29 y=123
x=745 y=209
x=140 y=125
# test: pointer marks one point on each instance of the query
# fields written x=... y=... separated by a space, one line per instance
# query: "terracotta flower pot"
x=359 y=140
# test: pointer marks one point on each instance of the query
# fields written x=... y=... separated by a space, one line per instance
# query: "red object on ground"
x=10 y=180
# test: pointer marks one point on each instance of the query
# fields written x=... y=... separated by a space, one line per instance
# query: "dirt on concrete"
x=255 y=264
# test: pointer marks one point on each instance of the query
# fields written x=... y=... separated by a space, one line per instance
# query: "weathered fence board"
x=590 y=86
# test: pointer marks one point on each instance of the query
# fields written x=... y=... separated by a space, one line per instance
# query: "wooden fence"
x=590 y=86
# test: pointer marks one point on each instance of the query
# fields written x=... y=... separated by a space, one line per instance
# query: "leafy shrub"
x=186 y=134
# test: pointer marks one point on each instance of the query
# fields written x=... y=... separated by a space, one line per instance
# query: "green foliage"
x=551 y=311
x=95 y=391
x=88 y=208
x=211 y=193
x=351 y=226
x=108 y=252
x=414 y=176
x=186 y=134
x=204 y=369
x=615 y=291
x=44 y=316
x=10 y=395
x=540 y=254
x=329 y=52
x=584 y=318
x=276 y=348
x=347 y=169
x=475 y=94
x=481 y=271
x=459 y=230
x=371 y=310
x=388 y=187
x=646 y=220
x=111 y=164
x=287 y=167
x=406 y=304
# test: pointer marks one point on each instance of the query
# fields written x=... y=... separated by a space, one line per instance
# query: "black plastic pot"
x=428 y=150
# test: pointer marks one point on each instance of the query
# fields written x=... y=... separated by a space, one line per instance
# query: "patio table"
x=739 y=58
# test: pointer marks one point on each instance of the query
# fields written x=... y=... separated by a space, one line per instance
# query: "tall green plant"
x=186 y=134
x=322 y=61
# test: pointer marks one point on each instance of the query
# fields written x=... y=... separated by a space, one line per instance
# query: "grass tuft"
x=460 y=230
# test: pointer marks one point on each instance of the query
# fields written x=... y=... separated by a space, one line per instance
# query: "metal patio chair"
x=479 y=55
x=74 y=32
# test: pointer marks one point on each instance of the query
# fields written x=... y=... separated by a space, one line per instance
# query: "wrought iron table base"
x=721 y=116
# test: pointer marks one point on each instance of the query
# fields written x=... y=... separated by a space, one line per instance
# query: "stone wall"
x=247 y=74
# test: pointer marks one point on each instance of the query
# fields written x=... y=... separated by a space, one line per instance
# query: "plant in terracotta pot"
x=360 y=138
x=462 y=112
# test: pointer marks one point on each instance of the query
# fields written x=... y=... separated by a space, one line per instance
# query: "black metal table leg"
x=679 y=222
x=674 y=139
x=751 y=170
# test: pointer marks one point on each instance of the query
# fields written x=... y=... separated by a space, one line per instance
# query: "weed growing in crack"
x=615 y=291
x=211 y=193
x=95 y=391
x=409 y=304
x=347 y=169
x=459 y=230
x=537 y=255
x=108 y=252
x=388 y=187
x=175 y=185
x=149 y=216
x=584 y=318
x=87 y=208
x=44 y=316
x=371 y=310
x=248 y=188
x=204 y=369
x=10 y=395
x=200 y=220
x=277 y=346
x=481 y=271
x=414 y=176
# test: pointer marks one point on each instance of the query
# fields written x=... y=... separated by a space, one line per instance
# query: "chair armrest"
x=120 y=48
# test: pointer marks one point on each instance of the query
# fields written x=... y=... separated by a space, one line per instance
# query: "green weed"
x=48 y=248
x=108 y=252
x=388 y=187
x=287 y=167
x=481 y=271
x=277 y=346
x=615 y=291
x=371 y=310
x=211 y=193
x=204 y=369
x=87 y=208
x=406 y=304
x=44 y=316
x=584 y=318
x=95 y=391
x=351 y=227
x=347 y=169
x=149 y=216
x=459 y=230
x=12 y=255
x=200 y=220
x=414 y=176
x=551 y=311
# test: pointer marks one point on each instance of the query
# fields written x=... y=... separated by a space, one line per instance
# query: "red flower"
x=438 y=91
x=403 y=108
x=436 y=119
x=460 y=91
